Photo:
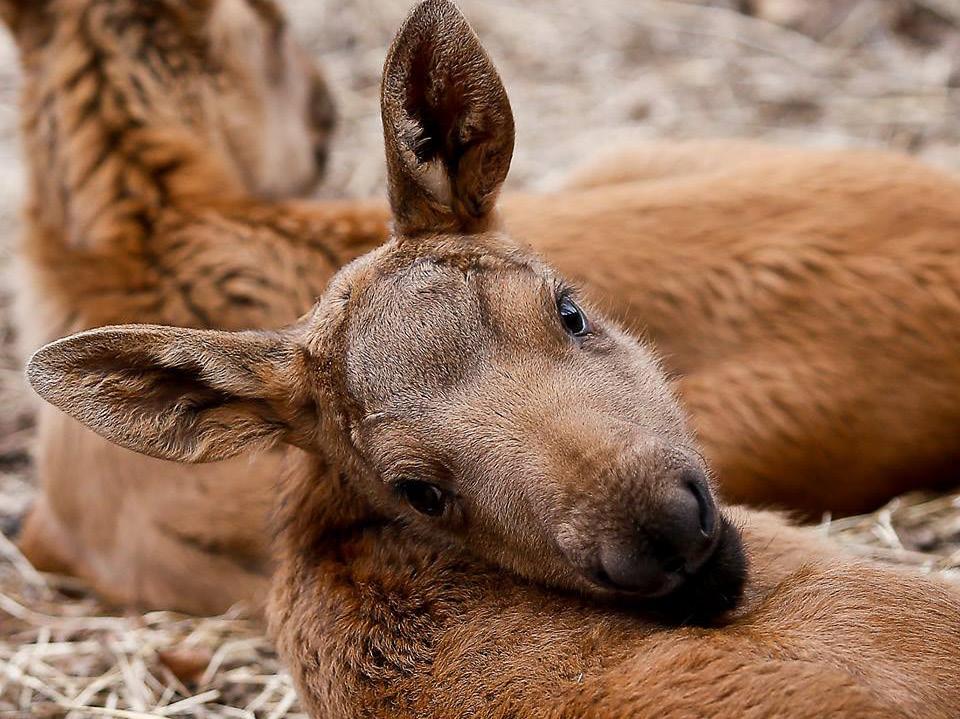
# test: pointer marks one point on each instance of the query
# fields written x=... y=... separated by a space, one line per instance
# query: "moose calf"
x=493 y=490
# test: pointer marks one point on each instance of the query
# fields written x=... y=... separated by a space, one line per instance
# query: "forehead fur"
x=419 y=321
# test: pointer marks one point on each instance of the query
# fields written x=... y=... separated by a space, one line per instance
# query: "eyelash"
x=563 y=291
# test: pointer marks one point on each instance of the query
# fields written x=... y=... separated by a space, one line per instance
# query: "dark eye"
x=574 y=321
x=424 y=497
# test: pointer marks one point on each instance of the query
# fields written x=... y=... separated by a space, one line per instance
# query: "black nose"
x=669 y=543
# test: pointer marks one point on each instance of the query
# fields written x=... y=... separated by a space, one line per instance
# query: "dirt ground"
x=580 y=75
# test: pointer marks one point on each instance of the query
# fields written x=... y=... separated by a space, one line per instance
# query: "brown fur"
x=384 y=610
x=793 y=295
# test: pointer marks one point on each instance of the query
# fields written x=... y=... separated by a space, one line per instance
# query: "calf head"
x=467 y=389
x=230 y=70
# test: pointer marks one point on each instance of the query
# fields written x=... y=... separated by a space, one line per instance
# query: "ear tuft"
x=447 y=122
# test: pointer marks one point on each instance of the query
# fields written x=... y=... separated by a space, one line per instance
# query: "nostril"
x=707 y=510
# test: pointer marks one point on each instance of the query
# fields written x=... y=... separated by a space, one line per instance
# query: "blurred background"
x=581 y=75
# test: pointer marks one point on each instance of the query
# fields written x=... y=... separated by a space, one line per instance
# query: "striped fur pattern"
x=146 y=124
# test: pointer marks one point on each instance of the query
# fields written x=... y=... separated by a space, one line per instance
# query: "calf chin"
x=712 y=591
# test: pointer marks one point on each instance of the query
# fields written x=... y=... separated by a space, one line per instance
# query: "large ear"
x=180 y=394
x=447 y=124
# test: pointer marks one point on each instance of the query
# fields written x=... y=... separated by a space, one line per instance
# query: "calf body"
x=818 y=634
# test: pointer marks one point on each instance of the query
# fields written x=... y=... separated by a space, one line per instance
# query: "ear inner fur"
x=194 y=395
